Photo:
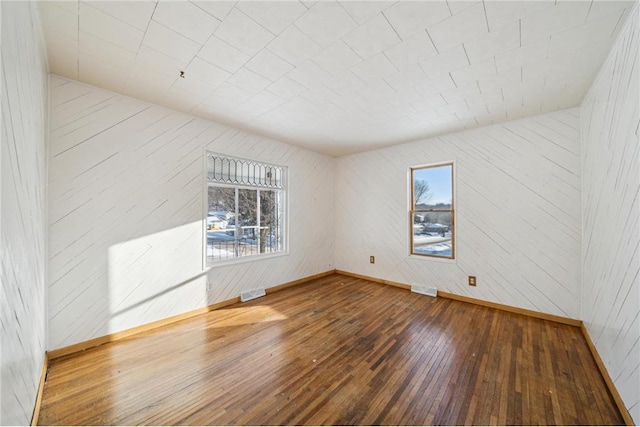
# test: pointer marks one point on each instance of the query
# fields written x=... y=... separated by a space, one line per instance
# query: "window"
x=432 y=213
x=245 y=208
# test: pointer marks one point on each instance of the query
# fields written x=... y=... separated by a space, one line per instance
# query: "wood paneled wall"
x=535 y=212
x=517 y=213
x=126 y=210
x=610 y=121
x=23 y=211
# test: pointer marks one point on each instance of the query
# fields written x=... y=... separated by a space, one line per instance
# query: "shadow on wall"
x=157 y=295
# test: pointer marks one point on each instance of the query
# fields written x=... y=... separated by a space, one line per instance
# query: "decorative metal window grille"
x=229 y=170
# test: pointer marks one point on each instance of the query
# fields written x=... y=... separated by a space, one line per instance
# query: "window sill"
x=246 y=259
x=433 y=258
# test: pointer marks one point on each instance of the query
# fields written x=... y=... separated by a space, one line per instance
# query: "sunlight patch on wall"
x=146 y=274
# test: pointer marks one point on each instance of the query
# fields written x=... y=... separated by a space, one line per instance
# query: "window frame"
x=205 y=206
x=413 y=211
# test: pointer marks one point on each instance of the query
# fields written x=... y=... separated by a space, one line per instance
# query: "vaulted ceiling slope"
x=338 y=77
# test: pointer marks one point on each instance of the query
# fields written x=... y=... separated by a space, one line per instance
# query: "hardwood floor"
x=337 y=350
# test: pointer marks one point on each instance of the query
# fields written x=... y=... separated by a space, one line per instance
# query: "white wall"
x=517 y=213
x=126 y=209
x=22 y=211
x=611 y=214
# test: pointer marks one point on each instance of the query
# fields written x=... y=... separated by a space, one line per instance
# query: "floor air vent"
x=432 y=292
x=249 y=295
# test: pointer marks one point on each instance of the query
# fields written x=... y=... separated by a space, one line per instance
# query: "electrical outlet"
x=372 y=259
x=472 y=280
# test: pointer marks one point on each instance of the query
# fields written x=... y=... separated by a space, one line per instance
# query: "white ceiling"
x=338 y=77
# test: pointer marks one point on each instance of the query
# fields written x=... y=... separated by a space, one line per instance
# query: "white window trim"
x=409 y=253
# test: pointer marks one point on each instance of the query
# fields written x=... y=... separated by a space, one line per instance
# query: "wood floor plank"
x=337 y=350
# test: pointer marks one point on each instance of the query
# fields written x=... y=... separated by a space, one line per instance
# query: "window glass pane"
x=432 y=187
x=221 y=201
x=221 y=224
x=248 y=221
x=271 y=230
x=432 y=234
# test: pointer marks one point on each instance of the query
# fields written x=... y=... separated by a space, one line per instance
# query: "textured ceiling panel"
x=339 y=77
